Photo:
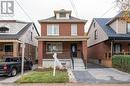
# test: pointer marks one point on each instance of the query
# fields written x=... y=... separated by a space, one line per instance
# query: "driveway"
x=6 y=79
x=101 y=75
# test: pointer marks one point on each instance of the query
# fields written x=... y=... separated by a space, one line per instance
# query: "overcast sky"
x=41 y=9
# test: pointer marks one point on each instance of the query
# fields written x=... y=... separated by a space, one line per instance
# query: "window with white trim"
x=53 y=29
x=73 y=29
x=63 y=15
x=54 y=47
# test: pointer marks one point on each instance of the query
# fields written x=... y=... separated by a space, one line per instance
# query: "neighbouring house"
x=107 y=37
x=63 y=34
x=13 y=33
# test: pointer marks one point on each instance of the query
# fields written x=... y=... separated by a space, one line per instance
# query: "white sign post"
x=54 y=69
x=56 y=63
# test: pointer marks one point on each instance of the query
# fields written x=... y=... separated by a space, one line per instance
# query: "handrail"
x=72 y=60
x=84 y=60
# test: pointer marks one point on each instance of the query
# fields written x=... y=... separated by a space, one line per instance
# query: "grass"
x=45 y=77
x=121 y=62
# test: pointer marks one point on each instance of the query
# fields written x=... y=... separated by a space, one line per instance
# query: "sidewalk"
x=64 y=84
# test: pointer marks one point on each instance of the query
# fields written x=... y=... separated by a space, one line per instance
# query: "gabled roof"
x=53 y=19
x=109 y=31
x=20 y=33
x=117 y=16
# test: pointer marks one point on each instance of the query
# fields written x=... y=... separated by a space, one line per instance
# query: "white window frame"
x=52 y=27
x=73 y=27
x=54 y=43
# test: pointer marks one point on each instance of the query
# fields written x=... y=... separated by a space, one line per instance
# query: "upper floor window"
x=73 y=29
x=53 y=29
x=128 y=27
x=62 y=14
x=4 y=29
x=95 y=34
x=94 y=24
x=31 y=36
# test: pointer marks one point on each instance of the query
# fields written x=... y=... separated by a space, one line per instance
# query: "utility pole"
x=23 y=49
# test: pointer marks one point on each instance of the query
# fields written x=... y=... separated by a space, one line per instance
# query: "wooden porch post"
x=111 y=48
x=15 y=49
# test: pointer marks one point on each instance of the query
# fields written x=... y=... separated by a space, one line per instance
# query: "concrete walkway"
x=101 y=75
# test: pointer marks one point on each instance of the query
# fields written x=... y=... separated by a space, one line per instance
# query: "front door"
x=74 y=50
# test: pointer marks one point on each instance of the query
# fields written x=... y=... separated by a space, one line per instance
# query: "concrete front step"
x=78 y=64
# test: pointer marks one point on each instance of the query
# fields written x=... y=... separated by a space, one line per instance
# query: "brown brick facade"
x=101 y=52
x=65 y=29
x=68 y=41
x=98 y=51
x=66 y=53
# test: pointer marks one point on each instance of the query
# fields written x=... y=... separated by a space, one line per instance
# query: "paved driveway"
x=101 y=75
x=6 y=79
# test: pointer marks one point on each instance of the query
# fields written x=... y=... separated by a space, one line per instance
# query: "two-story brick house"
x=107 y=37
x=63 y=34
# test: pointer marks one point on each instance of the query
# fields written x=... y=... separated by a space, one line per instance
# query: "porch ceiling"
x=62 y=38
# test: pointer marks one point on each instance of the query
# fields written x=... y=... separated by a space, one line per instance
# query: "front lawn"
x=45 y=77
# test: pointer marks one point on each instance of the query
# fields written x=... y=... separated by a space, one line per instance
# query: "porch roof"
x=62 y=38
x=10 y=41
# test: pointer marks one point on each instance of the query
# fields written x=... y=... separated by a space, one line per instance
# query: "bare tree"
x=124 y=7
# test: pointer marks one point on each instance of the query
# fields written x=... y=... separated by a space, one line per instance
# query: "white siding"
x=101 y=35
x=27 y=36
x=119 y=26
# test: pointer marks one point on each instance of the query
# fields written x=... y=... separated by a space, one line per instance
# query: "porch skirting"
x=49 y=63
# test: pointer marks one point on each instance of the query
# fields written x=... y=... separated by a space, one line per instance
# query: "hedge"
x=121 y=62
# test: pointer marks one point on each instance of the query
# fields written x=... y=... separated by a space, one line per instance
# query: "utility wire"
x=113 y=7
x=24 y=11
x=74 y=7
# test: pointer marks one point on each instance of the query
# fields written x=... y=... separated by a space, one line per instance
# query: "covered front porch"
x=66 y=48
x=9 y=48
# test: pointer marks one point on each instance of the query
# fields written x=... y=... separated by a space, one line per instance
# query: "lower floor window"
x=117 y=48
x=53 y=47
x=8 y=48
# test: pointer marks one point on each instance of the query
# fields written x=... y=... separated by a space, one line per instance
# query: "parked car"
x=12 y=65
